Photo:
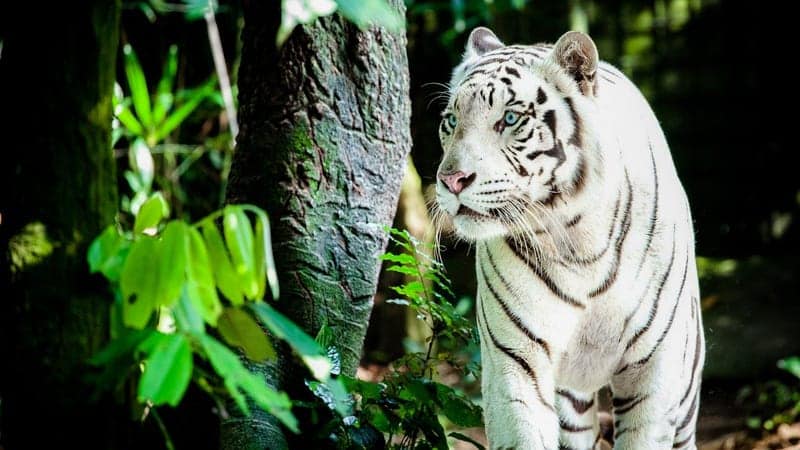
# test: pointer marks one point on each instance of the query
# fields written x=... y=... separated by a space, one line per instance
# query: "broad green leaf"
x=367 y=389
x=299 y=12
x=139 y=282
x=164 y=97
x=306 y=347
x=186 y=314
x=239 y=239
x=265 y=263
x=167 y=371
x=200 y=287
x=238 y=379
x=107 y=253
x=225 y=276
x=365 y=13
x=465 y=438
x=378 y=418
x=791 y=365
x=172 y=264
x=457 y=408
x=176 y=118
x=240 y=330
x=138 y=85
x=151 y=213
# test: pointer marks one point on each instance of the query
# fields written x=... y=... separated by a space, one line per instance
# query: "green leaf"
x=182 y=112
x=238 y=379
x=200 y=287
x=325 y=337
x=791 y=365
x=164 y=97
x=404 y=270
x=139 y=282
x=465 y=438
x=265 y=263
x=172 y=264
x=458 y=409
x=152 y=211
x=402 y=258
x=299 y=12
x=364 y=13
x=167 y=371
x=378 y=418
x=225 y=276
x=239 y=239
x=138 y=85
x=240 y=330
x=107 y=253
x=120 y=348
x=187 y=318
x=367 y=389
x=128 y=120
x=307 y=348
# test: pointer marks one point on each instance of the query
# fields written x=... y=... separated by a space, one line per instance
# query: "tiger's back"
x=556 y=167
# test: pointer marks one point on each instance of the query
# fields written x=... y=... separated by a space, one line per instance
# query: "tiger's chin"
x=477 y=227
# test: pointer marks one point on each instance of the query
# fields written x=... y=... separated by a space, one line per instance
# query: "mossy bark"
x=58 y=192
x=323 y=141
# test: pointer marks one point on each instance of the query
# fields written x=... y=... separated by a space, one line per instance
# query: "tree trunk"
x=323 y=141
x=59 y=191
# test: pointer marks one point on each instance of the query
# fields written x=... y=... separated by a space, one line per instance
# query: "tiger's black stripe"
x=549 y=282
x=573 y=257
x=511 y=315
x=576 y=138
x=696 y=357
x=654 y=215
x=572 y=428
x=654 y=308
x=620 y=241
x=518 y=359
x=619 y=409
x=580 y=406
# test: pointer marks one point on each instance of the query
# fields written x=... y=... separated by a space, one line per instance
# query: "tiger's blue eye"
x=451 y=120
x=510 y=118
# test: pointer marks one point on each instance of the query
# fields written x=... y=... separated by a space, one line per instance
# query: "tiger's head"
x=516 y=133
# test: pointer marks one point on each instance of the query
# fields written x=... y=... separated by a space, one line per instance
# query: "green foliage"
x=148 y=120
x=363 y=13
x=164 y=275
x=409 y=406
x=775 y=402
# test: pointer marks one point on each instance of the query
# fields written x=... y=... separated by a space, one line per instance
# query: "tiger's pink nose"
x=456 y=181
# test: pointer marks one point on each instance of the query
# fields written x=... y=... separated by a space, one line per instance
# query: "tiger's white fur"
x=584 y=246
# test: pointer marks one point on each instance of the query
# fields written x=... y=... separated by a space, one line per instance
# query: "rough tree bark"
x=323 y=141
x=59 y=191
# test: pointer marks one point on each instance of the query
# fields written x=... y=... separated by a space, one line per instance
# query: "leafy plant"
x=406 y=406
x=148 y=120
x=174 y=282
x=775 y=402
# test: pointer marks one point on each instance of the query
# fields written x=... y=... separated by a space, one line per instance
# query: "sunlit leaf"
x=141 y=161
x=167 y=371
x=364 y=13
x=128 y=120
x=403 y=258
x=152 y=211
x=238 y=379
x=172 y=265
x=224 y=274
x=186 y=314
x=265 y=263
x=240 y=330
x=299 y=12
x=180 y=114
x=107 y=253
x=239 y=240
x=200 y=287
x=791 y=365
x=304 y=345
x=164 y=96
x=139 y=282
x=138 y=85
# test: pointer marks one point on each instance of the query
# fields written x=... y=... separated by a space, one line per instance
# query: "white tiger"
x=556 y=168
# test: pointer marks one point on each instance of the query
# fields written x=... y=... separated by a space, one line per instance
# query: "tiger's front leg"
x=519 y=395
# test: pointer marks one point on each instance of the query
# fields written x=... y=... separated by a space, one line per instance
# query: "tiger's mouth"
x=466 y=211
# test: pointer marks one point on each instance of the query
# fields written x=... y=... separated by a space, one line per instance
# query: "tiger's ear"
x=481 y=40
x=577 y=54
